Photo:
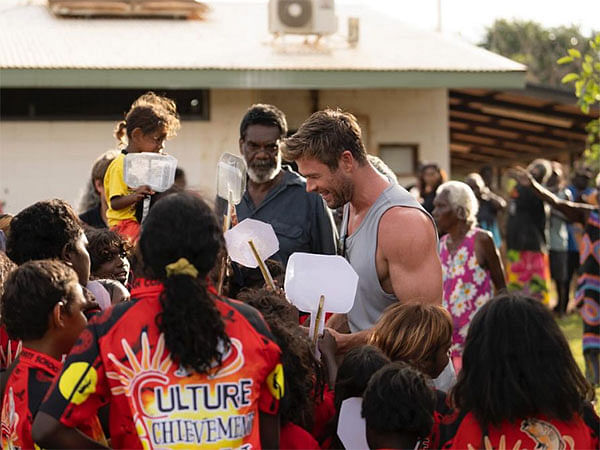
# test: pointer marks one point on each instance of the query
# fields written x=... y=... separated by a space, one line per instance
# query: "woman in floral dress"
x=471 y=263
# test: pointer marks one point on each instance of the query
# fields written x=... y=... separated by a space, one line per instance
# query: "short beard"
x=265 y=175
x=342 y=195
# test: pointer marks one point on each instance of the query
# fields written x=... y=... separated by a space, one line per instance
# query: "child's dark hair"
x=244 y=278
x=261 y=114
x=398 y=400
x=148 y=113
x=353 y=375
x=355 y=371
x=183 y=226
x=31 y=292
x=516 y=364
x=304 y=380
x=270 y=303
x=42 y=230
x=104 y=245
x=413 y=333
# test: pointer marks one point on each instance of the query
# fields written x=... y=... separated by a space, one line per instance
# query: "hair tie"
x=181 y=267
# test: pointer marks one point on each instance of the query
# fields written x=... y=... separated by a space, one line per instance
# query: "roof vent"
x=180 y=9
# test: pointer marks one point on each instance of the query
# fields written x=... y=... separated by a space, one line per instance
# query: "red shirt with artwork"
x=28 y=382
x=121 y=358
x=464 y=432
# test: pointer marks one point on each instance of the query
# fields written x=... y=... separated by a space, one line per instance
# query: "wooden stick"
x=222 y=271
x=263 y=268
x=227 y=220
x=224 y=260
x=317 y=320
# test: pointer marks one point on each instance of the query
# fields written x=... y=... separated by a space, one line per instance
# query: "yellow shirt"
x=114 y=186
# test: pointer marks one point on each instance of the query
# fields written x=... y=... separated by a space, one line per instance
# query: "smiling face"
x=443 y=213
x=260 y=149
x=335 y=187
x=116 y=268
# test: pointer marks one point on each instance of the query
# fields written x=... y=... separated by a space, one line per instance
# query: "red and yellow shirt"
x=28 y=382
x=462 y=431
x=121 y=358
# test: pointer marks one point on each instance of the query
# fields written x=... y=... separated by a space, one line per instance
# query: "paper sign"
x=260 y=233
x=352 y=429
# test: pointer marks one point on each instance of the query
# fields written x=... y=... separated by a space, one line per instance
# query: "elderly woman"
x=470 y=261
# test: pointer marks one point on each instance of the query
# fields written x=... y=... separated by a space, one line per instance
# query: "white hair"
x=460 y=195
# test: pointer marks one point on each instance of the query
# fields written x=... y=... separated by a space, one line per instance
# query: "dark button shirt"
x=301 y=220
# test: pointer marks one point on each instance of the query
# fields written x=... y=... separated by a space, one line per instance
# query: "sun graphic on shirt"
x=148 y=365
x=134 y=376
x=139 y=376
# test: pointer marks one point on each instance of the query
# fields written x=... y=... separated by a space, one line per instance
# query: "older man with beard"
x=276 y=194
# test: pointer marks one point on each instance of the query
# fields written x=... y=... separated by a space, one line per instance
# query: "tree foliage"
x=586 y=78
x=535 y=46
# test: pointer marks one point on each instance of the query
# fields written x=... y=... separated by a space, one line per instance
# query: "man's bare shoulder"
x=401 y=227
x=406 y=219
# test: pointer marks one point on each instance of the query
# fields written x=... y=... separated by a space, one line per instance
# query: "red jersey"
x=293 y=436
x=540 y=432
x=27 y=384
x=121 y=358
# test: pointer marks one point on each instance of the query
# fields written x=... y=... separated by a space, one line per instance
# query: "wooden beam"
x=460 y=148
x=558 y=139
x=474 y=136
x=462 y=114
x=522 y=99
x=474 y=157
x=548 y=109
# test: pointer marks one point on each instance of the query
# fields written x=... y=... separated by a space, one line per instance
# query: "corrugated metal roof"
x=233 y=37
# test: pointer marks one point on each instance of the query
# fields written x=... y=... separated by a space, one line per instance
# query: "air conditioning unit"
x=302 y=17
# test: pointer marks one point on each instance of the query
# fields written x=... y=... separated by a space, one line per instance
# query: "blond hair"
x=413 y=333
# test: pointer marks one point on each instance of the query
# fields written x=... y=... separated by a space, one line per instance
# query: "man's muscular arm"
x=407 y=243
x=408 y=260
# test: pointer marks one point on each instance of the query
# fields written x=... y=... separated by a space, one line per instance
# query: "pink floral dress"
x=467 y=286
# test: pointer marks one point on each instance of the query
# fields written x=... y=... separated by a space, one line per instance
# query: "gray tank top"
x=359 y=249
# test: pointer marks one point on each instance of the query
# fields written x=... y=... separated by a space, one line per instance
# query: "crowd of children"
x=115 y=336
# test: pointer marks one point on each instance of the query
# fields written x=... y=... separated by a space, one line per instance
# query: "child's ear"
x=137 y=133
x=67 y=255
x=57 y=315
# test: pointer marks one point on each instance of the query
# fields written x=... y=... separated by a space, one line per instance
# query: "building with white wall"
x=395 y=80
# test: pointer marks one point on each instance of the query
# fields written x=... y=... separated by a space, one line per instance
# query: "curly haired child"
x=43 y=305
x=109 y=253
x=151 y=120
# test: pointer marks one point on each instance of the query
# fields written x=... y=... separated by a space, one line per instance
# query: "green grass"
x=572 y=328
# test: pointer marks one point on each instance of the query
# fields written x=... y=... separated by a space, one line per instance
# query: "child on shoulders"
x=151 y=120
